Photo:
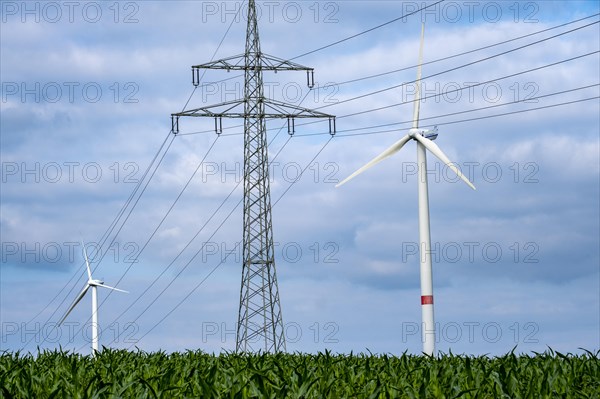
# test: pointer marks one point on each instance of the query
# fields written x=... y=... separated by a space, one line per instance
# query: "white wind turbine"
x=93 y=284
x=424 y=141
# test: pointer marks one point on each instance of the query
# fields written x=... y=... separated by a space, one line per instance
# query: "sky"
x=87 y=90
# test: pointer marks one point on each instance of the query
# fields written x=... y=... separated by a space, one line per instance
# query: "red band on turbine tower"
x=426 y=299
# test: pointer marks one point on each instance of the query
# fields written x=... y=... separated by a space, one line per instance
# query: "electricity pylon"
x=260 y=323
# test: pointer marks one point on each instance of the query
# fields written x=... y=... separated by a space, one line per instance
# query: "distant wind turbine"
x=424 y=141
x=93 y=284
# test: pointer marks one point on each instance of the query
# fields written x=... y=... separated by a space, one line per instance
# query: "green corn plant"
x=195 y=374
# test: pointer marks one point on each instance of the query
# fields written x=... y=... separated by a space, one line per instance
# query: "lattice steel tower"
x=260 y=323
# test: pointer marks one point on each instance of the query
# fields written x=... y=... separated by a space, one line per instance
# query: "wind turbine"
x=424 y=139
x=93 y=284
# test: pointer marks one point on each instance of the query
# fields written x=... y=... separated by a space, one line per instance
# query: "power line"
x=470 y=119
x=368 y=30
x=105 y=236
x=189 y=243
x=223 y=260
x=436 y=74
x=319 y=152
x=185 y=297
x=332 y=44
x=117 y=218
x=402 y=69
x=102 y=239
x=201 y=229
x=188 y=263
x=460 y=66
x=474 y=85
x=303 y=171
x=444 y=93
x=182 y=250
x=124 y=221
x=135 y=204
x=113 y=224
x=217 y=50
x=289 y=187
x=521 y=111
x=476 y=118
x=444 y=115
x=212 y=271
x=456 y=113
x=463 y=53
x=197 y=233
x=164 y=217
x=212 y=235
x=193 y=174
x=172 y=139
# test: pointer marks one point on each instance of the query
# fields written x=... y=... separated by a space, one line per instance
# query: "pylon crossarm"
x=231 y=109
x=273 y=109
x=284 y=110
x=271 y=63
x=267 y=63
x=225 y=109
x=236 y=62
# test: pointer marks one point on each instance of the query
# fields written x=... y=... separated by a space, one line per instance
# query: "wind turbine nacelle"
x=430 y=134
x=96 y=282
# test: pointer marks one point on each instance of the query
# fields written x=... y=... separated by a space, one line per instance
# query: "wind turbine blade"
x=435 y=150
x=112 y=288
x=394 y=148
x=77 y=300
x=417 y=103
x=87 y=262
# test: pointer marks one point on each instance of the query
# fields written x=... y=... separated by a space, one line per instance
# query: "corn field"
x=194 y=374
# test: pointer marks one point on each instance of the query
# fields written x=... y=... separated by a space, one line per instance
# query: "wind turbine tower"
x=424 y=140
x=260 y=323
x=93 y=284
